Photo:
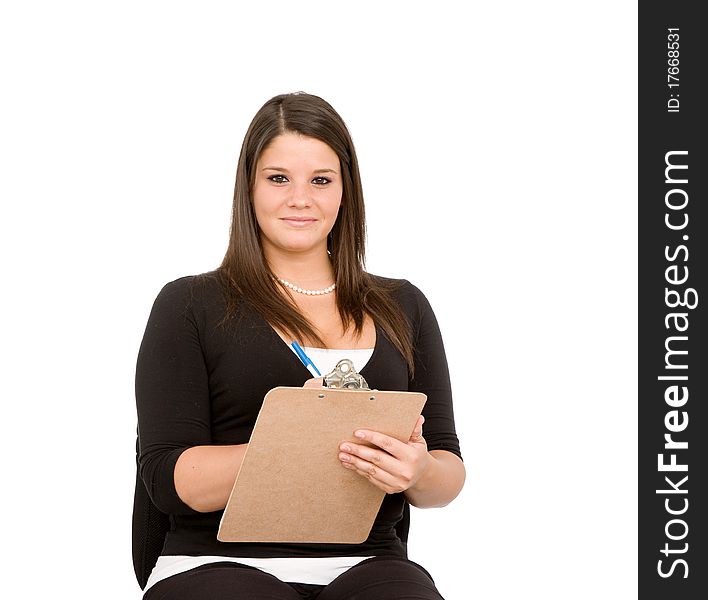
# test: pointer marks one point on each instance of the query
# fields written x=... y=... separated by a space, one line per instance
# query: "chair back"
x=150 y=526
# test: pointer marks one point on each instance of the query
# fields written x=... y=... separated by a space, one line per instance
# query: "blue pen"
x=314 y=371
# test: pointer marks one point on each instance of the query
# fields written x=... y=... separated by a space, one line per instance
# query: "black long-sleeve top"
x=198 y=383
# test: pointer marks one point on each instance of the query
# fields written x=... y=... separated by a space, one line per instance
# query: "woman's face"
x=296 y=194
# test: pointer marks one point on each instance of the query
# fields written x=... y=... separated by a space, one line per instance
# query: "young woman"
x=215 y=343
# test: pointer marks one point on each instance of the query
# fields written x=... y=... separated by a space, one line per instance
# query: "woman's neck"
x=309 y=270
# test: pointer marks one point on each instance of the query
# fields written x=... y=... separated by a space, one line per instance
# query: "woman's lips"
x=299 y=221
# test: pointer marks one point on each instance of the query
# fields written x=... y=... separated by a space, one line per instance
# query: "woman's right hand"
x=315 y=382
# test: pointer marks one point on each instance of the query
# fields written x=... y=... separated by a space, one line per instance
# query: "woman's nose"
x=299 y=195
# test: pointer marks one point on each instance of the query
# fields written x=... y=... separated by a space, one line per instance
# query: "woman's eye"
x=283 y=179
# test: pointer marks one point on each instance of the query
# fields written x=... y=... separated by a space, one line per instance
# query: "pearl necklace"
x=298 y=289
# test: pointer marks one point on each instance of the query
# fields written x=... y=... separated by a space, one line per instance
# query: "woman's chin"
x=300 y=246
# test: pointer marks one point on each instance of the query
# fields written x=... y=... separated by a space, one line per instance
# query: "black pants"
x=378 y=578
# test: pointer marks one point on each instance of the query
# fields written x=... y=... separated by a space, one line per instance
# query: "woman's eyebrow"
x=286 y=171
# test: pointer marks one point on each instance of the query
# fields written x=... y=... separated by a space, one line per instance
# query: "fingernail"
x=345 y=448
x=360 y=434
x=344 y=457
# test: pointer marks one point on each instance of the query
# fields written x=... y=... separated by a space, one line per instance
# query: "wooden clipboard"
x=291 y=486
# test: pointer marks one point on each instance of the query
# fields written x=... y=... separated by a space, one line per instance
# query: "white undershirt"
x=312 y=570
x=325 y=359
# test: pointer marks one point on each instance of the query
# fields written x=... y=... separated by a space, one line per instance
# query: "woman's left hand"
x=392 y=466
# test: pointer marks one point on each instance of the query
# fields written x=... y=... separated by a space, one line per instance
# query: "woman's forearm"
x=440 y=483
x=205 y=475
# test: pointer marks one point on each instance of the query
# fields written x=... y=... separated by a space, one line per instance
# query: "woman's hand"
x=392 y=466
x=314 y=383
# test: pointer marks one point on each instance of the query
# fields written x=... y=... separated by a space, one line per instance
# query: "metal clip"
x=345 y=376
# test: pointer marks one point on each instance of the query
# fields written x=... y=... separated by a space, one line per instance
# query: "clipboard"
x=291 y=487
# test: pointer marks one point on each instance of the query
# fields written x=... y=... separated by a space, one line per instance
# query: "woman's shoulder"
x=190 y=289
x=392 y=284
x=408 y=295
x=191 y=283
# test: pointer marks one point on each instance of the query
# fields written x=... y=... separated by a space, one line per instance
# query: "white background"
x=498 y=152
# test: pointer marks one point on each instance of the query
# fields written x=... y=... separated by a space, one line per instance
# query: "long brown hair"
x=244 y=271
